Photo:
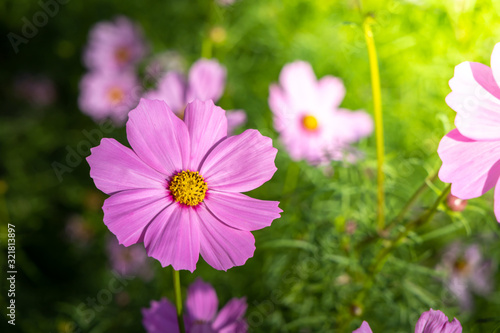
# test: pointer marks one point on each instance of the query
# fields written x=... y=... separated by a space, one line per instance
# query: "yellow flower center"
x=122 y=55
x=188 y=187
x=115 y=95
x=309 y=122
x=461 y=265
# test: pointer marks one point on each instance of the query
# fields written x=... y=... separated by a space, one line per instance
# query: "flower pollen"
x=310 y=122
x=116 y=95
x=122 y=55
x=461 y=266
x=188 y=187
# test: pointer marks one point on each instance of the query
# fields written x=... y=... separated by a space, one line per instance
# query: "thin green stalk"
x=412 y=201
x=383 y=254
x=206 y=48
x=379 y=127
x=178 y=301
x=291 y=178
x=207 y=45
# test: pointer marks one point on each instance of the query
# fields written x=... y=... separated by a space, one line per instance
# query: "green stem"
x=291 y=178
x=178 y=301
x=381 y=257
x=206 y=48
x=379 y=127
x=412 y=201
x=206 y=45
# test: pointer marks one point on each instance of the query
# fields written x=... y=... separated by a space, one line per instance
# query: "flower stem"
x=206 y=48
x=412 y=201
x=379 y=127
x=178 y=301
x=384 y=253
x=206 y=45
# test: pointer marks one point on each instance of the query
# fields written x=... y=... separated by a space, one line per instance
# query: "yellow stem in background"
x=206 y=48
x=379 y=126
x=178 y=301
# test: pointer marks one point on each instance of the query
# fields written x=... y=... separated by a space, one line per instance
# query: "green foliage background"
x=307 y=271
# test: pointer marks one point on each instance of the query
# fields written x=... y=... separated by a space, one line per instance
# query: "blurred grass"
x=305 y=270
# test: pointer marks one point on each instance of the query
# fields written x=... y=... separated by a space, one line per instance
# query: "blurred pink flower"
x=201 y=313
x=471 y=153
x=308 y=118
x=38 y=90
x=114 y=46
x=129 y=261
x=225 y=2
x=206 y=80
x=164 y=62
x=432 y=321
x=178 y=189
x=467 y=272
x=107 y=95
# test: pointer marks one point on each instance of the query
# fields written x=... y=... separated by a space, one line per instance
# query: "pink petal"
x=128 y=213
x=475 y=97
x=223 y=247
x=365 y=328
x=331 y=91
x=230 y=314
x=240 y=163
x=299 y=84
x=201 y=327
x=173 y=237
x=434 y=321
x=453 y=327
x=349 y=126
x=161 y=317
x=473 y=167
x=201 y=302
x=114 y=167
x=172 y=90
x=278 y=103
x=207 y=125
x=207 y=79
x=495 y=63
x=242 y=212
x=430 y=321
x=497 y=201
x=235 y=119
x=158 y=136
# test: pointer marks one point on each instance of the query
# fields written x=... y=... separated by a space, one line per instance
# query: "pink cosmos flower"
x=206 y=80
x=432 y=321
x=471 y=153
x=201 y=313
x=114 y=46
x=129 y=261
x=308 y=118
x=467 y=272
x=177 y=189
x=106 y=95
